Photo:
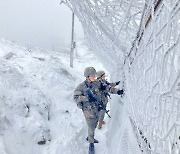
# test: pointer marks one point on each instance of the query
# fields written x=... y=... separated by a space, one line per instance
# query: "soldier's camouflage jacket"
x=81 y=96
x=110 y=88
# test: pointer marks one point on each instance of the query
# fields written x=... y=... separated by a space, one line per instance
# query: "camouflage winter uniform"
x=90 y=109
x=105 y=89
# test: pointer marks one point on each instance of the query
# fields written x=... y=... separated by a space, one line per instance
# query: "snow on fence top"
x=110 y=26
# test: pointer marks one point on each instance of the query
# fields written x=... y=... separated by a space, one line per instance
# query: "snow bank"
x=36 y=100
x=24 y=108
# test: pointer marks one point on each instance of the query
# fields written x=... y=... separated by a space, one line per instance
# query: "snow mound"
x=36 y=99
x=22 y=104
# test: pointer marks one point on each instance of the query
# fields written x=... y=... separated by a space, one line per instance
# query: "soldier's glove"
x=92 y=99
x=80 y=105
x=117 y=83
x=120 y=92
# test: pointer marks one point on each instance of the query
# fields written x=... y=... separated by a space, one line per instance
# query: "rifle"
x=104 y=85
x=98 y=101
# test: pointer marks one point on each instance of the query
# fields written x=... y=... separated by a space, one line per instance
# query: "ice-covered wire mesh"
x=153 y=78
x=149 y=48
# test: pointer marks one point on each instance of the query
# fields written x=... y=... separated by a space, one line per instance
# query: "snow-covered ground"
x=37 y=104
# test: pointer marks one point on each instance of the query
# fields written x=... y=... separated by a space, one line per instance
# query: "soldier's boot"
x=100 y=124
x=95 y=141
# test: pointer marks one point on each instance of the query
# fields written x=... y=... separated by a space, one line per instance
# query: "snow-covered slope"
x=36 y=100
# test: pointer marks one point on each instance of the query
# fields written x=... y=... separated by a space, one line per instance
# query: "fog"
x=41 y=23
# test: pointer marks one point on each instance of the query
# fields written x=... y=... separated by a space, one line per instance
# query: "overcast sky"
x=39 y=23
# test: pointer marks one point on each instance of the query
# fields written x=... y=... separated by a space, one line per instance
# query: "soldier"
x=86 y=102
x=106 y=88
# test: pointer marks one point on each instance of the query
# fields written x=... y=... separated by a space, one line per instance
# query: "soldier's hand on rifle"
x=120 y=92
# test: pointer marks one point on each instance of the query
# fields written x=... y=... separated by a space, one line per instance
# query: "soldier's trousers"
x=91 y=115
x=92 y=124
x=102 y=114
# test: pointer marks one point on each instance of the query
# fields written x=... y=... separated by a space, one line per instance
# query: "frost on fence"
x=110 y=26
x=153 y=79
x=152 y=62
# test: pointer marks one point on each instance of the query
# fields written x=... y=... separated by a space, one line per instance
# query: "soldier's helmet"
x=89 y=71
x=100 y=74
